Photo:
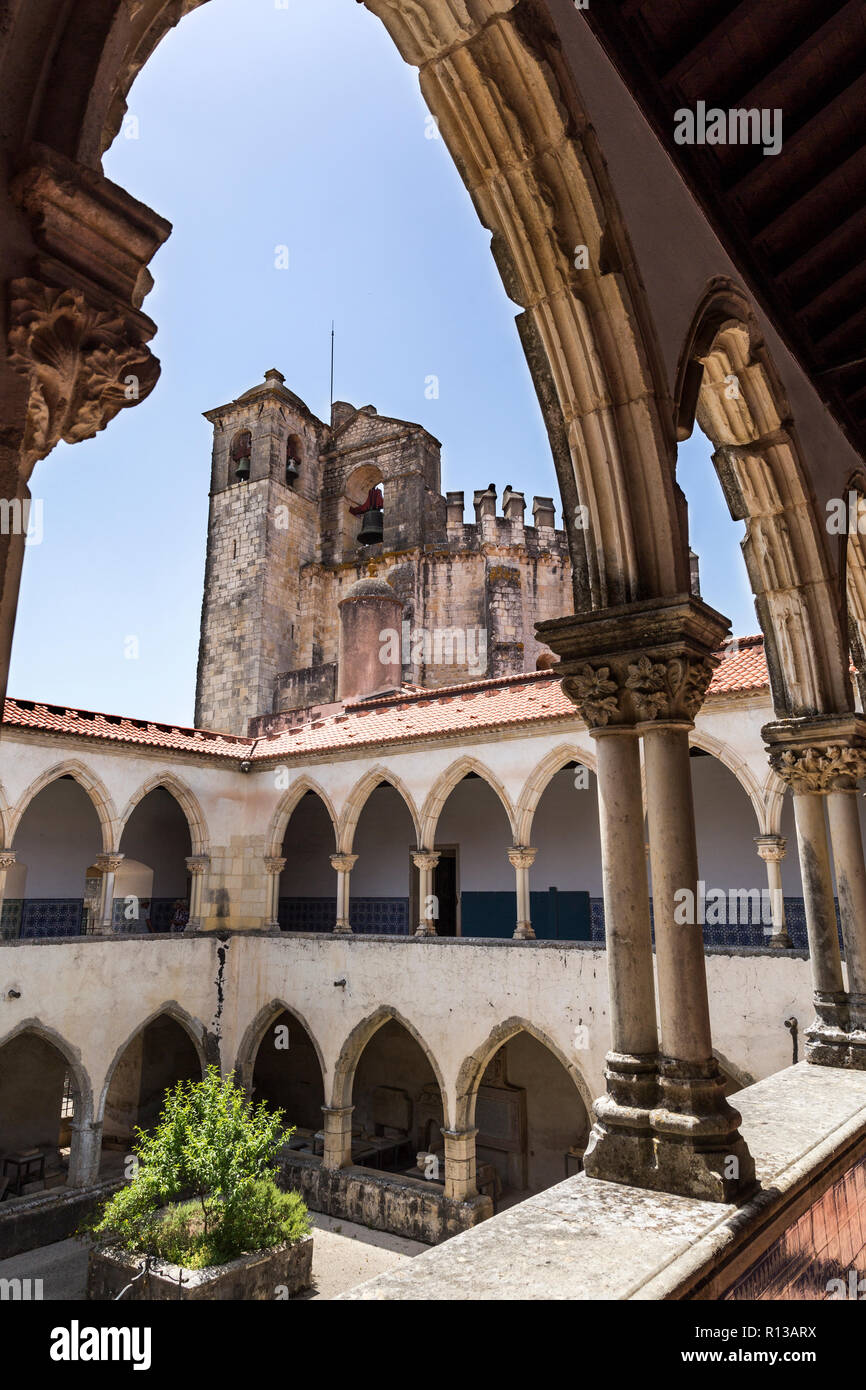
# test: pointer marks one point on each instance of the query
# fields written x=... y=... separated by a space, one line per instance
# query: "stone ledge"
x=591 y=1240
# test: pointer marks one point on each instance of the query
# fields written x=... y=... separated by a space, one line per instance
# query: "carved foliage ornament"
x=819 y=769
x=82 y=364
x=672 y=689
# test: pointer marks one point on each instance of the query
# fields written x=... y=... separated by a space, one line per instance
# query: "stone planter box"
x=275 y=1274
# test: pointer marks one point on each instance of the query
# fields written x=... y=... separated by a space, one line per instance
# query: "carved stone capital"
x=197 y=863
x=7 y=859
x=109 y=863
x=425 y=859
x=638 y=663
x=521 y=856
x=274 y=863
x=771 y=848
x=818 y=753
x=83 y=365
x=343 y=863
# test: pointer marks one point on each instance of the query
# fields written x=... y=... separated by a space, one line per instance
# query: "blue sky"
x=255 y=127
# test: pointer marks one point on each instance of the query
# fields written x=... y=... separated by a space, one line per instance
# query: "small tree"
x=215 y=1153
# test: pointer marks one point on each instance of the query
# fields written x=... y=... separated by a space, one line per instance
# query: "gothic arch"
x=193 y=1027
x=185 y=798
x=72 y=1056
x=538 y=781
x=5 y=819
x=444 y=786
x=287 y=805
x=358 y=798
x=474 y=1066
x=509 y=112
x=726 y=379
x=724 y=753
x=89 y=783
x=255 y=1032
x=350 y=1055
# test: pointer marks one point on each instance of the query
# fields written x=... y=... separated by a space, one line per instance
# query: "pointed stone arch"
x=185 y=798
x=727 y=381
x=358 y=798
x=538 y=781
x=255 y=1032
x=352 y=1048
x=206 y=1046
x=728 y=756
x=72 y=1056
x=287 y=806
x=474 y=1066
x=95 y=788
x=5 y=819
x=444 y=786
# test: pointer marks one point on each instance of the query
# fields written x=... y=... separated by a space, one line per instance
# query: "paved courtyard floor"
x=343 y=1255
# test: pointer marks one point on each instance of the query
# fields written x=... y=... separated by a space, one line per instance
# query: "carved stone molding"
x=82 y=366
x=197 y=863
x=771 y=848
x=425 y=859
x=343 y=863
x=7 y=859
x=819 y=769
x=819 y=753
x=109 y=863
x=275 y=864
x=522 y=856
x=637 y=663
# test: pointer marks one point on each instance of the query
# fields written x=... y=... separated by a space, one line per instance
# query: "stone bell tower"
x=263 y=527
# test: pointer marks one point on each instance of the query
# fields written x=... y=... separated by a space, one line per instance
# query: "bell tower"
x=263 y=526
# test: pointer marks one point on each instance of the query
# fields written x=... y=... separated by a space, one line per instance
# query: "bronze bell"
x=242 y=472
x=293 y=472
x=371 y=527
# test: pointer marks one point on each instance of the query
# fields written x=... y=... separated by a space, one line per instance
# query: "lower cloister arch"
x=531 y=1108
x=46 y=1103
x=357 y=1040
x=254 y=1036
x=167 y=1047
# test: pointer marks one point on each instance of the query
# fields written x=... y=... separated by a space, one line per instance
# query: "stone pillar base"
x=524 y=932
x=699 y=1151
x=828 y=1037
x=343 y=929
x=781 y=942
x=425 y=929
x=620 y=1142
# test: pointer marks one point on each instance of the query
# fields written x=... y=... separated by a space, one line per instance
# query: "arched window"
x=241 y=451
x=294 y=458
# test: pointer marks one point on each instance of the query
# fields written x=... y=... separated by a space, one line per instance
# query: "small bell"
x=371 y=527
x=293 y=472
x=242 y=472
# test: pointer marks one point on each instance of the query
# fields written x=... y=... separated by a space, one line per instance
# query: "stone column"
x=664 y=1123
x=819 y=756
x=522 y=858
x=343 y=863
x=197 y=865
x=274 y=865
x=771 y=849
x=85 y=1154
x=7 y=860
x=108 y=865
x=425 y=862
x=460 y=1184
x=338 y=1136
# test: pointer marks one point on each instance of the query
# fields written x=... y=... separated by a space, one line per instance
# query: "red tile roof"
x=406 y=717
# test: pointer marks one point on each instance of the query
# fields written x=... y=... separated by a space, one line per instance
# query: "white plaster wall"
x=58 y=840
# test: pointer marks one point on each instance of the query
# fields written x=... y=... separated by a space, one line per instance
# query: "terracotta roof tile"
x=404 y=717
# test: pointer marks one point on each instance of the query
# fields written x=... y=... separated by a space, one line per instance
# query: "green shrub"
x=204 y=1192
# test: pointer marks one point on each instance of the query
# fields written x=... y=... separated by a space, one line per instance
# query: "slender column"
x=771 y=848
x=7 y=860
x=698 y=1144
x=108 y=865
x=197 y=865
x=460 y=1176
x=620 y=1141
x=847 y=842
x=85 y=1153
x=343 y=863
x=274 y=865
x=522 y=858
x=425 y=862
x=338 y=1136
